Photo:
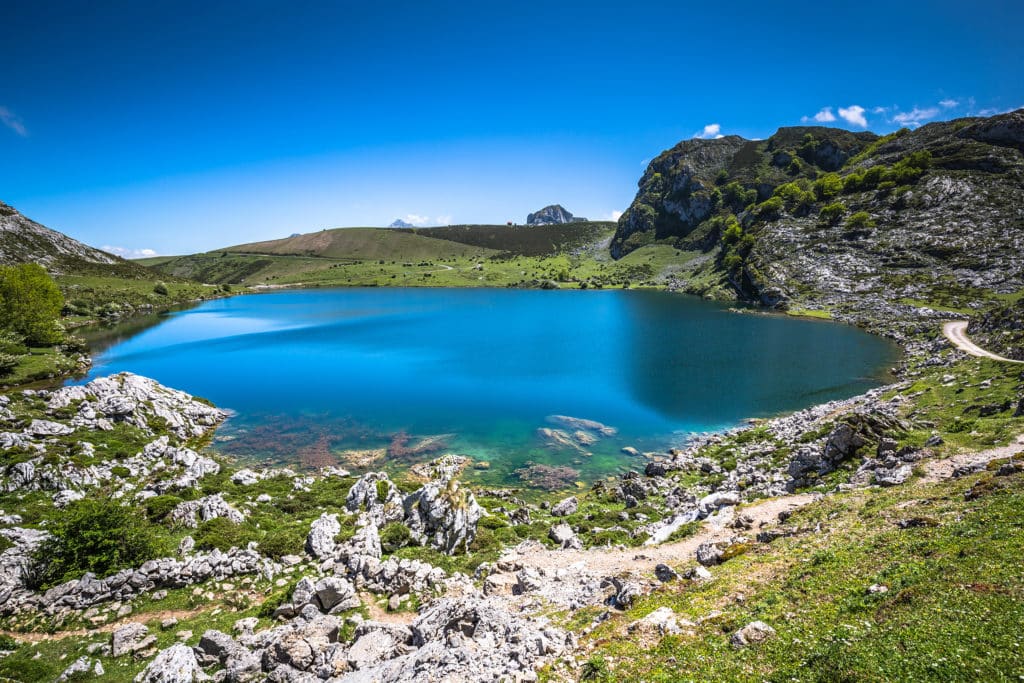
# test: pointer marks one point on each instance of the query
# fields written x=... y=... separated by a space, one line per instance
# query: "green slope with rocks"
x=854 y=223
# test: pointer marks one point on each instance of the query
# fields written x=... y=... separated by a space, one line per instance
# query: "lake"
x=384 y=378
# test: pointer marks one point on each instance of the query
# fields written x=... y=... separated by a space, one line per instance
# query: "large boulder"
x=176 y=664
x=320 y=541
x=444 y=515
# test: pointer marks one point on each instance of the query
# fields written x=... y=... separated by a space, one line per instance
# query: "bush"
x=831 y=213
x=120 y=471
x=222 y=534
x=828 y=185
x=282 y=542
x=12 y=343
x=860 y=220
x=160 y=288
x=394 y=536
x=96 y=535
x=159 y=507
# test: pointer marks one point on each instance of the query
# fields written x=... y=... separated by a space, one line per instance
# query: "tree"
x=30 y=304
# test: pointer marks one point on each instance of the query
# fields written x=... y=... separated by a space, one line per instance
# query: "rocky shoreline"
x=490 y=624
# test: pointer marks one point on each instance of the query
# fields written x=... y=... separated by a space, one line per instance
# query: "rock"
x=168 y=623
x=176 y=664
x=697 y=574
x=191 y=512
x=246 y=626
x=245 y=477
x=126 y=639
x=877 y=588
x=375 y=642
x=711 y=503
x=320 y=541
x=894 y=476
x=43 y=428
x=754 y=633
x=664 y=573
x=661 y=622
x=186 y=545
x=443 y=514
x=81 y=668
x=334 y=592
x=709 y=554
x=565 y=537
x=501 y=584
x=566 y=507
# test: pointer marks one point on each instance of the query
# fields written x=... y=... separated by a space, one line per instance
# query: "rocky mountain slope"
x=22 y=240
x=842 y=220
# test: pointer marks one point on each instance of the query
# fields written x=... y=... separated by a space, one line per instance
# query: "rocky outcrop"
x=937 y=217
x=176 y=664
x=552 y=215
x=124 y=585
x=191 y=512
x=137 y=401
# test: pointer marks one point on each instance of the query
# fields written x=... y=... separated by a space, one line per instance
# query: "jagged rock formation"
x=552 y=215
x=846 y=220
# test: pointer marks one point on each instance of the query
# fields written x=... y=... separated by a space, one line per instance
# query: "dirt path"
x=956 y=332
x=643 y=560
x=937 y=470
x=34 y=637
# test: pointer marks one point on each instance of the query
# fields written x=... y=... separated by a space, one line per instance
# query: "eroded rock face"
x=443 y=514
x=191 y=512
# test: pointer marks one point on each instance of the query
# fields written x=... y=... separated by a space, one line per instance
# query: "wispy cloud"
x=129 y=253
x=916 y=116
x=992 y=111
x=13 y=121
x=823 y=116
x=712 y=130
x=949 y=103
x=443 y=220
x=854 y=115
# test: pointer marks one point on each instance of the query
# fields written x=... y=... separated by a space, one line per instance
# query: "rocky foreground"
x=322 y=615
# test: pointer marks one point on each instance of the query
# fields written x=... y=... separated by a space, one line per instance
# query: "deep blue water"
x=312 y=374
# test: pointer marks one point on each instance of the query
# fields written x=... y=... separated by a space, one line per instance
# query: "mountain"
x=22 y=240
x=552 y=215
x=399 y=223
x=841 y=220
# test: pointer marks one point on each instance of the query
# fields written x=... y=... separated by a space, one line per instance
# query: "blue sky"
x=180 y=127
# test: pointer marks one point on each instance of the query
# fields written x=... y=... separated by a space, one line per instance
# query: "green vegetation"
x=950 y=610
x=30 y=304
x=96 y=535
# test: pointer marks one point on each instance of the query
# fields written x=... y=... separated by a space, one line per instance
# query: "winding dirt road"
x=956 y=332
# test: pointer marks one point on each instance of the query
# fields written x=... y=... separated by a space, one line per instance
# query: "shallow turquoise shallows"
x=346 y=375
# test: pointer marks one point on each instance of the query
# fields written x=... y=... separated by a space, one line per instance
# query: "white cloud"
x=854 y=115
x=420 y=221
x=915 y=117
x=129 y=253
x=712 y=130
x=949 y=103
x=992 y=111
x=616 y=215
x=823 y=116
x=12 y=121
x=879 y=110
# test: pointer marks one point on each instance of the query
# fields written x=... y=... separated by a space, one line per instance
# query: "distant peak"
x=552 y=215
x=399 y=223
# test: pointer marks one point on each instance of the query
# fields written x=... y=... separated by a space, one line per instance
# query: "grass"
x=39 y=364
x=953 y=608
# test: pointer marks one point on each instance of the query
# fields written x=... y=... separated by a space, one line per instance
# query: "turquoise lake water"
x=373 y=377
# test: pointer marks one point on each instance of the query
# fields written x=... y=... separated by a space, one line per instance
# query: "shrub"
x=382 y=490
x=96 y=535
x=831 y=213
x=222 y=534
x=120 y=471
x=769 y=208
x=160 y=288
x=828 y=186
x=159 y=507
x=282 y=542
x=860 y=220
x=394 y=536
x=12 y=343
